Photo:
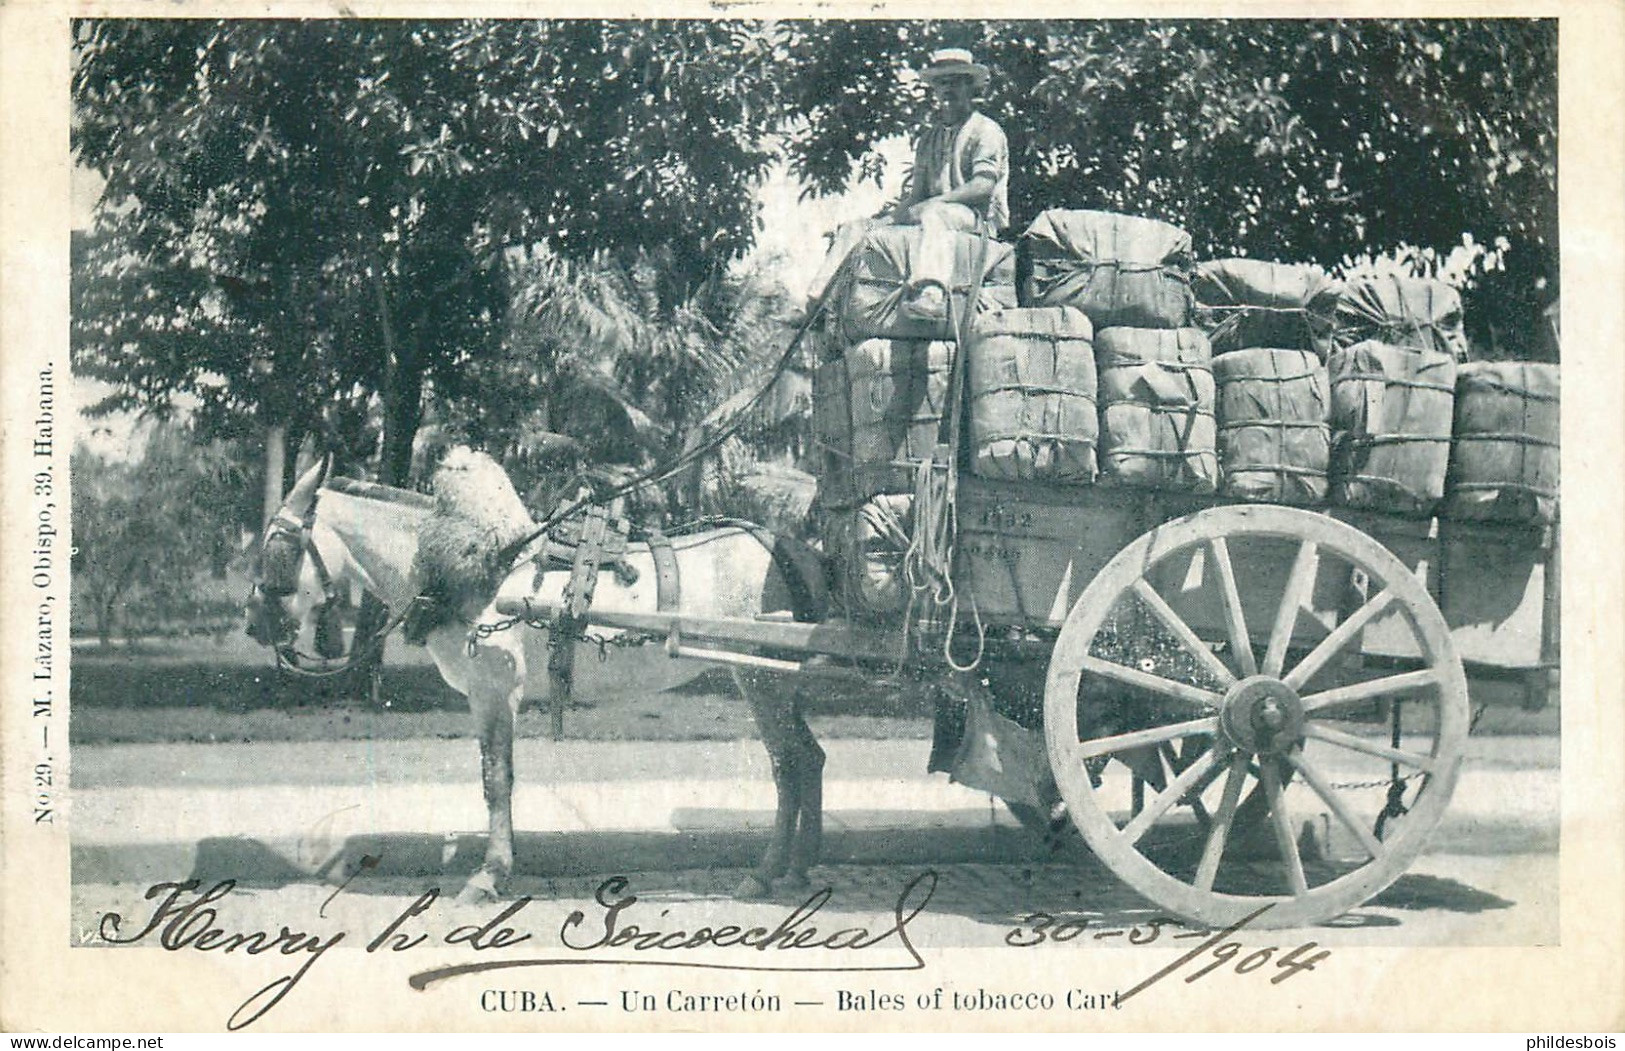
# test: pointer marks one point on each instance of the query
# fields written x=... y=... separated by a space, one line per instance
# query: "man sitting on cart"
x=959 y=182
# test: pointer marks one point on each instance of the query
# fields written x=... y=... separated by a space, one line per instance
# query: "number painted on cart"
x=999 y=518
x=991 y=550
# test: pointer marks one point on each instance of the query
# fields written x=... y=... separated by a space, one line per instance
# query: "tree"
x=1287 y=139
x=144 y=531
x=338 y=194
x=304 y=215
x=589 y=354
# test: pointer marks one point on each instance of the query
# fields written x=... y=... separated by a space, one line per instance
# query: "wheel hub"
x=1262 y=714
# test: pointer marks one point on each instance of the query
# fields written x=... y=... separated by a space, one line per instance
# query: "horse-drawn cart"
x=1214 y=674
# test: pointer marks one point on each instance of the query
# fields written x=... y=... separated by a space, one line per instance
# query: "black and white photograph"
x=812 y=519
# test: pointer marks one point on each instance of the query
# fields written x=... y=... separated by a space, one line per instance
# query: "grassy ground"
x=201 y=690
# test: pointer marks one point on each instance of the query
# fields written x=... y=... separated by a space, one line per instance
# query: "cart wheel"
x=1190 y=761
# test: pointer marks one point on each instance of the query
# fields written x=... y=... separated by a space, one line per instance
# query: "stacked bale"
x=1156 y=408
x=1391 y=414
x=1504 y=460
x=1402 y=312
x=1120 y=270
x=1271 y=329
x=880 y=398
x=868 y=296
x=1253 y=303
x=1131 y=277
x=1031 y=385
x=1393 y=371
x=876 y=413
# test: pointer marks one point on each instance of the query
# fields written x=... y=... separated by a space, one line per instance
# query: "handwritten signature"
x=187 y=917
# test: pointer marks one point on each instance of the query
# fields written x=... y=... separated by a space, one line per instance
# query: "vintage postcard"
x=812 y=517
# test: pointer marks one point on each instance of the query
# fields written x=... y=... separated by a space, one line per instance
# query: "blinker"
x=279 y=563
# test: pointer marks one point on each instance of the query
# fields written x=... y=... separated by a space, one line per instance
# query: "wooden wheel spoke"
x=1414 y=760
x=1240 y=642
x=1165 y=799
x=1192 y=696
x=1369 y=690
x=1340 y=637
x=1182 y=631
x=1298 y=586
x=1214 y=850
x=1372 y=845
x=1282 y=822
x=1141 y=738
x=1176 y=723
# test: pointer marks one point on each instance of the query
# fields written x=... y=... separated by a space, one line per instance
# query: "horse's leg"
x=774 y=724
x=809 y=838
x=495 y=687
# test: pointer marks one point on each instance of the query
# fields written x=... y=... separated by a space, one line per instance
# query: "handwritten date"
x=1214 y=953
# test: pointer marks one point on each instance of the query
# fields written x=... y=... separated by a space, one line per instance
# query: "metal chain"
x=477 y=633
x=625 y=640
x=1354 y=786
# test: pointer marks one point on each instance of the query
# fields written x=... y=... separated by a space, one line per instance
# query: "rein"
x=288 y=655
x=316 y=666
x=509 y=555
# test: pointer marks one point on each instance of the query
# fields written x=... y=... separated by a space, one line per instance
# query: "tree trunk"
x=276 y=454
x=402 y=393
x=403 y=411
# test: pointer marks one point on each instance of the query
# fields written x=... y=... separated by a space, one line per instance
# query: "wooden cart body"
x=1353 y=622
x=1026 y=553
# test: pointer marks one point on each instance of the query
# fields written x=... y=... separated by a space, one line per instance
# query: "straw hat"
x=954 y=62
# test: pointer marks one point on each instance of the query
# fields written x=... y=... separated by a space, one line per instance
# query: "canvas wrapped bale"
x=1253 y=303
x=1401 y=312
x=865 y=546
x=1504 y=463
x=869 y=294
x=1156 y=409
x=1391 y=417
x=1120 y=270
x=1030 y=378
x=1274 y=434
x=831 y=457
x=876 y=414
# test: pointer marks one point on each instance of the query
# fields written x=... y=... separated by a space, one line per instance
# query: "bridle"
x=284 y=529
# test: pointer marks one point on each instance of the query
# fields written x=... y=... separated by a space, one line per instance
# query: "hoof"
x=481 y=889
x=752 y=887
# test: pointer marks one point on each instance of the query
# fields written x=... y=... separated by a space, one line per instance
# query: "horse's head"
x=294 y=589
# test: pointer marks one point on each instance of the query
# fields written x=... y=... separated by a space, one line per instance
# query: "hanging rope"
x=928 y=563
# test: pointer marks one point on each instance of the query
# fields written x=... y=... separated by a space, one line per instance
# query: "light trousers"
x=935 y=262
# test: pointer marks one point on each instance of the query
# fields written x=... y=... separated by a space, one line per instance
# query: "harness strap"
x=668 y=585
x=804 y=605
x=572 y=615
x=320 y=565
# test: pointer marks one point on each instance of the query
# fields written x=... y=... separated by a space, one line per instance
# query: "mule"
x=369 y=535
